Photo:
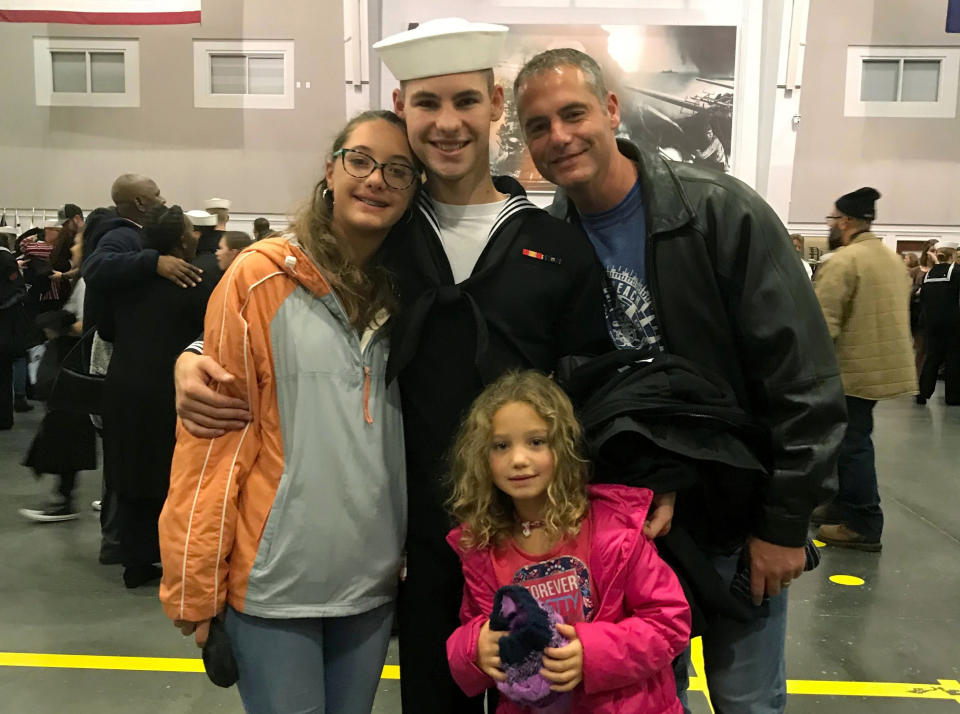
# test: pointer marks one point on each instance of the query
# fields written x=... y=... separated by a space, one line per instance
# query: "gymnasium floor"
x=73 y=639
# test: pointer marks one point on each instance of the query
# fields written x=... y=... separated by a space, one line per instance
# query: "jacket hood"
x=108 y=224
x=626 y=506
x=290 y=257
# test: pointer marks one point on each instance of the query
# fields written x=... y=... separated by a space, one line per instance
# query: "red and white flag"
x=102 y=12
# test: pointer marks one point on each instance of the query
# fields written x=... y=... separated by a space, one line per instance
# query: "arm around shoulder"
x=118 y=262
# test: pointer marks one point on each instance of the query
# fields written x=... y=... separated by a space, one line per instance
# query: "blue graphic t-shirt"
x=619 y=237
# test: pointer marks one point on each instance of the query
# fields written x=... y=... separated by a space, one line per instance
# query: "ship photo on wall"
x=675 y=84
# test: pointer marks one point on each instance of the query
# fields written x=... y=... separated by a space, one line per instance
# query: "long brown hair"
x=364 y=291
x=60 y=255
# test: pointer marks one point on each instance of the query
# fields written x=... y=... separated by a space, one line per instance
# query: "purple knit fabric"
x=525 y=684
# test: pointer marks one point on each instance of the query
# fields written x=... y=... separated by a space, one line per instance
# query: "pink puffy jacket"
x=641 y=624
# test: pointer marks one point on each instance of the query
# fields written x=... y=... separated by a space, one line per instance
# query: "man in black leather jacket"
x=700 y=266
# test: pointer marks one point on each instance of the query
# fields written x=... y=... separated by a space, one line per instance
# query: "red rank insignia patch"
x=541 y=256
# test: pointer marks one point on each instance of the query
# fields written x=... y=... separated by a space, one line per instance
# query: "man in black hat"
x=864 y=292
x=71 y=213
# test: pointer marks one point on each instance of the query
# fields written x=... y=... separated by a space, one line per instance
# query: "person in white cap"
x=488 y=282
x=208 y=241
x=219 y=207
x=940 y=307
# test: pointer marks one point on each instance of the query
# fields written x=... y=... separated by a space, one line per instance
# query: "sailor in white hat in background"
x=205 y=229
x=488 y=283
x=219 y=207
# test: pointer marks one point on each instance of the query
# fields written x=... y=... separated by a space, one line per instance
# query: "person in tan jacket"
x=864 y=294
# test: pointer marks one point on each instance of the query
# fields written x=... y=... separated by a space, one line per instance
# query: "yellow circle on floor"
x=846 y=580
x=819 y=543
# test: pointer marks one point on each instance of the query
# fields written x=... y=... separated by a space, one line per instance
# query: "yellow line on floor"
x=140 y=664
x=943 y=689
x=697 y=682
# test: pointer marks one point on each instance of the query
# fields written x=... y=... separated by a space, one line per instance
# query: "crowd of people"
x=431 y=400
x=102 y=295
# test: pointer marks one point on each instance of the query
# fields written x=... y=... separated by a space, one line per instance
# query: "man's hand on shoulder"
x=178 y=271
x=660 y=515
x=205 y=413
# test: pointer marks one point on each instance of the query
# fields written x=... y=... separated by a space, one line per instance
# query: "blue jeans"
x=745 y=661
x=309 y=665
x=858 y=500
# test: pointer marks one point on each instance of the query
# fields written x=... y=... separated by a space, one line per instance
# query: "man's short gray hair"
x=564 y=57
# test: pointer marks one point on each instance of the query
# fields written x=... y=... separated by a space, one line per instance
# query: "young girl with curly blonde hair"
x=528 y=518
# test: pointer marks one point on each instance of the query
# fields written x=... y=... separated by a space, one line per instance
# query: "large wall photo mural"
x=675 y=84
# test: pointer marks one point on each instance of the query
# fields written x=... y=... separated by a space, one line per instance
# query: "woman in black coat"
x=148 y=327
x=65 y=443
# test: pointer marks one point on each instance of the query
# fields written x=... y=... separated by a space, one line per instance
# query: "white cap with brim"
x=948 y=244
x=201 y=218
x=447 y=46
x=223 y=203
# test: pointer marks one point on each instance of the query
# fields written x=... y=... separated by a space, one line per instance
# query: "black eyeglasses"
x=360 y=165
x=832 y=218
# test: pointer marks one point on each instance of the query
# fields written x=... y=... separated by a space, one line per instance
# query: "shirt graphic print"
x=561 y=584
x=619 y=239
x=631 y=321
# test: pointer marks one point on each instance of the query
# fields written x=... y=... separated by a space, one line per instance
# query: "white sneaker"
x=95 y=505
x=50 y=514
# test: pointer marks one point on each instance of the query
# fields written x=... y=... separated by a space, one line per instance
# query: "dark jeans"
x=109 y=526
x=858 y=499
x=943 y=346
x=745 y=662
x=139 y=540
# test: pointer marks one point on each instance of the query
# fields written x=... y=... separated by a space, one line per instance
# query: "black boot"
x=136 y=575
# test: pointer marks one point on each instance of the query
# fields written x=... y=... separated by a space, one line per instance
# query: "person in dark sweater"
x=114 y=261
x=148 y=329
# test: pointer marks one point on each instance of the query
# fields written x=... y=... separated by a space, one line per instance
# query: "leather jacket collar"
x=664 y=200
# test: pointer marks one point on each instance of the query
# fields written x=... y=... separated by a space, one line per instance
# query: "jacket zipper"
x=366 y=395
x=367 y=372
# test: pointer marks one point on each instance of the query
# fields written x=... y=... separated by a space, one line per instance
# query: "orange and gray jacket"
x=303 y=512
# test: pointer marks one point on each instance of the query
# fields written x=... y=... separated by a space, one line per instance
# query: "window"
x=902 y=82
x=86 y=72
x=249 y=74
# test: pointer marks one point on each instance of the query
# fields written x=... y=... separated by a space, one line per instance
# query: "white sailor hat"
x=948 y=244
x=201 y=218
x=9 y=230
x=447 y=46
x=223 y=203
